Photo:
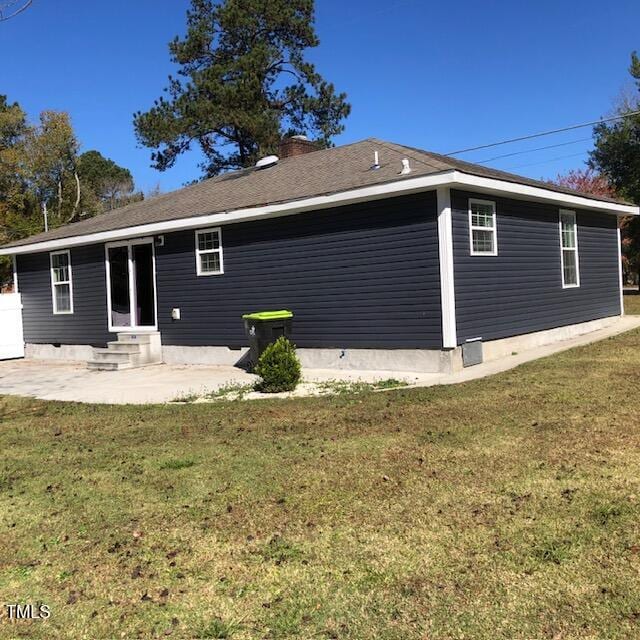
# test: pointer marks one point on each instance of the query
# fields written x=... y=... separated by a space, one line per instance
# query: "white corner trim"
x=620 y=273
x=14 y=263
x=447 y=284
x=451 y=178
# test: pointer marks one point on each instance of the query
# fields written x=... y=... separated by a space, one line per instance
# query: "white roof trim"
x=528 y=192
x=452 y=179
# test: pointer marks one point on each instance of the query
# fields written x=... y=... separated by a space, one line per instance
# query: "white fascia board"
x=539 y=194
x=406 y=186
x=376 y=192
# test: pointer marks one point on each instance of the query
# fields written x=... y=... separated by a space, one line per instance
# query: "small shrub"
x=278 y=367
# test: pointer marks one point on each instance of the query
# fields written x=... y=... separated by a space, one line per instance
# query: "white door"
x=11 y=339
x=131 y=285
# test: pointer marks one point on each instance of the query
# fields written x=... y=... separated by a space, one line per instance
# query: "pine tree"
x=244 y=83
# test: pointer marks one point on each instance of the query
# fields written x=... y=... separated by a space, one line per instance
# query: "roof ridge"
x=410 y=151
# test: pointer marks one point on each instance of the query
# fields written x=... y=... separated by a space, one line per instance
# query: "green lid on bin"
x=268 y=315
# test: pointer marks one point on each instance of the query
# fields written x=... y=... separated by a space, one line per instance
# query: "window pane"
x=482 y=215
x=60 y=265
x=570 y=267
x=482 y=241
x=63 y=297
x=209 y=240
x=209 y=262
x=568 y=227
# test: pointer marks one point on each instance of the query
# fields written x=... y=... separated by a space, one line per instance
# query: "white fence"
x=11 y=338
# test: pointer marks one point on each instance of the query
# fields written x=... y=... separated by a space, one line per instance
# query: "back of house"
x=388 y=256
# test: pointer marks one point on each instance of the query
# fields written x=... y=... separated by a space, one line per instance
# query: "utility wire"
x=517 y=153
x=544 y=133
x=533 y=164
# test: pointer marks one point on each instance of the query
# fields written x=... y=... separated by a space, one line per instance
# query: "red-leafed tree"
x=591 y=182
x=586 y=181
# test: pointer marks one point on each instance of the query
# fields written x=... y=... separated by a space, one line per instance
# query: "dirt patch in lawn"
x=500 y=508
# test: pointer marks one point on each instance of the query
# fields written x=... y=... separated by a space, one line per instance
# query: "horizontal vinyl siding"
x=359 y=276
x=88 y=323
x=520 y=290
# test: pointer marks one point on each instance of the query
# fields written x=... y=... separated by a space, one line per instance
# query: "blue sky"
x=439 y=76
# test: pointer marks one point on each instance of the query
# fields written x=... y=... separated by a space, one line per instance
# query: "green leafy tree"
x=40 y=170
x=51 y=166
x=617 y=157
x=106 y=185
x=244 y=83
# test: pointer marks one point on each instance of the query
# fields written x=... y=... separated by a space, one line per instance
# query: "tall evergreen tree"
x=244 y=82
x=617 y=157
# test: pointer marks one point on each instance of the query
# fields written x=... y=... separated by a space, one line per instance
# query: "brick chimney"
x=295 y=146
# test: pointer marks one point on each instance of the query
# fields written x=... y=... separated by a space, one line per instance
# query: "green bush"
x=278 y=367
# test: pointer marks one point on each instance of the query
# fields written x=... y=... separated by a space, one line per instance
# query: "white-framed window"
x=569 y=249
x=483 y=236
x=209 y=252
x=61 y=282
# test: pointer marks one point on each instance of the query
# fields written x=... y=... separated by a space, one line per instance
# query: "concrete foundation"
x=203 y=355
x=418 y=360
x=63 y=352
x=407 y=360
x=496 y=349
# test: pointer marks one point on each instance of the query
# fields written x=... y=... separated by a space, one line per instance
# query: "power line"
x=544 y=133
x=517 y=153
x=533 y=164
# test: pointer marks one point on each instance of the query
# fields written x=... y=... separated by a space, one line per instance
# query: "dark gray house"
x=390 y=258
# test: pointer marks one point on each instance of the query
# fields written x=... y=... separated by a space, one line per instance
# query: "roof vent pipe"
x=406 y=167
x=267 y=161
x=376 y=161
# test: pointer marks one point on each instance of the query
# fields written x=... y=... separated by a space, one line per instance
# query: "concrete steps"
x=131 y=350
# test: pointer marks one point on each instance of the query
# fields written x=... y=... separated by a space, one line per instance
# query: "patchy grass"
x=177 y=463
x=632 y=303
x=502 y=508
x=350 y=387
x=232 y=391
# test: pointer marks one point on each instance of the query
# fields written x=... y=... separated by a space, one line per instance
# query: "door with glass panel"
x=131 y=285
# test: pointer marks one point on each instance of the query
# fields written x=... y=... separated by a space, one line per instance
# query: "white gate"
x=11 y=338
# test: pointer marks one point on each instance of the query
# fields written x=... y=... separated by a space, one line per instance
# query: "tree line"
x=46 y=182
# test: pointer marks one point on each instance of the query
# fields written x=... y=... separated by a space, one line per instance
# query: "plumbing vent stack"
x=376 y=161
x=406 y=168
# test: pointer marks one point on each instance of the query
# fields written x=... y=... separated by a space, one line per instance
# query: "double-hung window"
x=482 y=228
x=61 y=282
x=209 y=252
x=569 y=249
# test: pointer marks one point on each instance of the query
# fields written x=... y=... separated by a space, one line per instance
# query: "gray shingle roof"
x=314 y=174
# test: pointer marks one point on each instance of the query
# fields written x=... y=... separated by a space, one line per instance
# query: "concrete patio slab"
x=165 y=383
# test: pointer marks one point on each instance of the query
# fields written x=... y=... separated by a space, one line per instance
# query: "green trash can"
x=263 y=328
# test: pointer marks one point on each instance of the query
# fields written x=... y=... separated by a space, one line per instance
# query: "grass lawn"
x=502 y=508
x=632 y=304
